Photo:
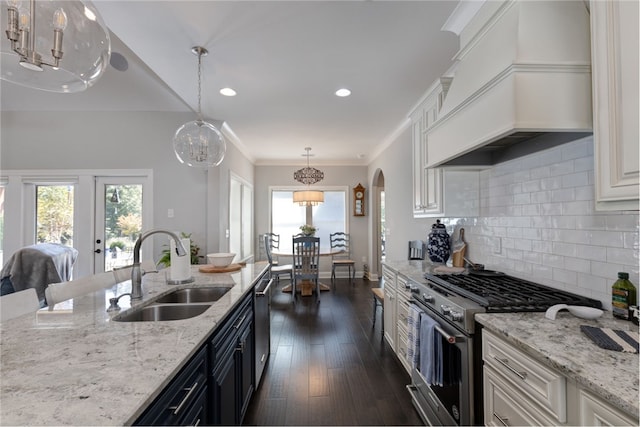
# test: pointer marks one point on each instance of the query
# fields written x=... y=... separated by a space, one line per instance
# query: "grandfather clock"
x=358 y=200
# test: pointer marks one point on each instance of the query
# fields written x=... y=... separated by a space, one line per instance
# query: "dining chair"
x=274 y=243
x=306 y=261
x=378 y=301
x=417 y=250
x=18 y=303
x=58 y=292
x=276 y=270
x=340 y=244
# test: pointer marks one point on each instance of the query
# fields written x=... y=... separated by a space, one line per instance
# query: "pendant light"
x=199 y=143
x=308 y=176
x=56 y=46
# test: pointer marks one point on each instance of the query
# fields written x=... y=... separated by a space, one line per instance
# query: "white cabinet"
x=596 y=412
x=403 y=294
x=614 y=59
x=541 y=389
x=521 y=390
x=437 y=191
x=390 y=326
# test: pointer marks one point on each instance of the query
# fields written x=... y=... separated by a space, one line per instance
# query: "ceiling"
x=285 y=59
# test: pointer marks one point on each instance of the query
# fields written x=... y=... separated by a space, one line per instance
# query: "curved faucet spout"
x=136 y=274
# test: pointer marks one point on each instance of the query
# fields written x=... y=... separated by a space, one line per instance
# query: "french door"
x=123 y=210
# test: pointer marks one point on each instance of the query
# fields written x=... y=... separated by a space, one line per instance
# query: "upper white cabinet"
x=437 y=191
x=614 y=59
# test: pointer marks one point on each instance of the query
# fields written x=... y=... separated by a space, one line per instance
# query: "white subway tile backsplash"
x=607 y=238
x=593 y=253
x=576 y=264
x=582 y=207
x=541 y=209
x=575 y=179
x=563 y=195
x=565 y=249
x=622 y=256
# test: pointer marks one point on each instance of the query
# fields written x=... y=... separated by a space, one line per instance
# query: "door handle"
x=98 y=251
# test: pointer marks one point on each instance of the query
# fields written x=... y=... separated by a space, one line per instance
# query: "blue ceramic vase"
x=438 y=243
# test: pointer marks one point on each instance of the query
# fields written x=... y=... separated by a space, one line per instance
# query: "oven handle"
x=451 y=339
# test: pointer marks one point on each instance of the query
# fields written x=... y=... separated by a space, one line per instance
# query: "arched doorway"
x=378 y=225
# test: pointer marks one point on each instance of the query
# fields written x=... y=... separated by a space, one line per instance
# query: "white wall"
x=121 y=140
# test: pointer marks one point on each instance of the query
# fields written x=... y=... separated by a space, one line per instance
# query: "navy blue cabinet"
x=179 y=401
x=217 y=384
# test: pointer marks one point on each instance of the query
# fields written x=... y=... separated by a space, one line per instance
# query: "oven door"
x=452 y=402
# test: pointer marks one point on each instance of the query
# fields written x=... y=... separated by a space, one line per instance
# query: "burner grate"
x=503 y=293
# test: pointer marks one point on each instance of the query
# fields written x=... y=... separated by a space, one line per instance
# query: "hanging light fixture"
x=115 y=197
x=199 y=143
x=308 y=176
x=74 y=65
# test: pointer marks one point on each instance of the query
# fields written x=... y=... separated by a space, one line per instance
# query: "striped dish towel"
x=413 y=328
x=611 y=339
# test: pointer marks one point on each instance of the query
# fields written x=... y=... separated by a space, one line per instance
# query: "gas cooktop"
x=498 y=292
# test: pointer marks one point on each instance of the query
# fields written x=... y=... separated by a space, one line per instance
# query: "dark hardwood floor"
x=328 y=366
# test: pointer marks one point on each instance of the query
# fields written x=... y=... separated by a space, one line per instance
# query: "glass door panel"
x=54 y=214
x=119 y=220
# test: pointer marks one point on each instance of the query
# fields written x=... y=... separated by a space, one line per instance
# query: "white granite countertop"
x=74 y=366
x=560 y=344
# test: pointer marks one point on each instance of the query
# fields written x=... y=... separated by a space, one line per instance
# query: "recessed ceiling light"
x=343 y=92
x=227 y=91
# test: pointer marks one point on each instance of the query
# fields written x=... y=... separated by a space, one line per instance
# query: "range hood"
x=522 y=83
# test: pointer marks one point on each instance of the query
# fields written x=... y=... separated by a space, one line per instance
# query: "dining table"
x=306 y=286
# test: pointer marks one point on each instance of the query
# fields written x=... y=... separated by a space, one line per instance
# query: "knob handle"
x=98 y=251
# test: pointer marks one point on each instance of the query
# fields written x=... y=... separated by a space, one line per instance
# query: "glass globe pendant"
x=54 y=45
x=199 y=143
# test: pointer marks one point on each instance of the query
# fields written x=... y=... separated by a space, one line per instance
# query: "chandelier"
x=308 y=176
x=199 y=143
x=74 y=65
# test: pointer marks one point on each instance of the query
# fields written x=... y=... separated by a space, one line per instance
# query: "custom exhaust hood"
x=522 y=82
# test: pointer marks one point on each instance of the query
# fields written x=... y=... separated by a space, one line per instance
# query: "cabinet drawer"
x=504 y=405
x=543 y=385
x=596 y=412
x=402 y=347
x=403 y=314
x=181 y=394
x=389 y=278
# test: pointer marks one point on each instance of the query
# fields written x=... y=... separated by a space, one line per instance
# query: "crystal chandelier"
x=199 y=143
x=308 y=176
x=74 y=65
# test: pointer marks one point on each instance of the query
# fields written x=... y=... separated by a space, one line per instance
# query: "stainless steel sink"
x=193 y=295
x=153 y=313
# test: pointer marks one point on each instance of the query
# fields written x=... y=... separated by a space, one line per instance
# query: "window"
x=54 y=214
x=287 y=217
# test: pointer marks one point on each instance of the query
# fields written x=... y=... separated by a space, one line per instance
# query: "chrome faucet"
x=136 y=274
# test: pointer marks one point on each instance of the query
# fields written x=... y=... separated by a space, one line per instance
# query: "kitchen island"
x=75 y=366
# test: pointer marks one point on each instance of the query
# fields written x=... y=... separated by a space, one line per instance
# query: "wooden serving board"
x=214 y=269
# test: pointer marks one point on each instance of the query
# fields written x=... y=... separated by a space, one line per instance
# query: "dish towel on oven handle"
x=430 y=362
x=413 y=328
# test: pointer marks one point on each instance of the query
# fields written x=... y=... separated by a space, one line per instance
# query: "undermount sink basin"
x=153 y=313
x=193 y=295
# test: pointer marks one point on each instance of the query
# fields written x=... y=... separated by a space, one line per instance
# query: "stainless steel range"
x=452 y=300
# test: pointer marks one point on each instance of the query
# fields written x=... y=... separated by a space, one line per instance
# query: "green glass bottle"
x=623 y=296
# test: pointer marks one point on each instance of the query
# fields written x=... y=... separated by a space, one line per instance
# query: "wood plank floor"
x=328 y=366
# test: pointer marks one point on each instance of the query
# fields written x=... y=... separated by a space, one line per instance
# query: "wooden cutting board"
x=214 y=269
